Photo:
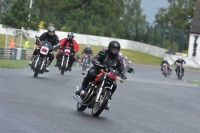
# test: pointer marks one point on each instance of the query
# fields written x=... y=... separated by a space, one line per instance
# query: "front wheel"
x=63 y=68
x=98 y=107
x=37 y=69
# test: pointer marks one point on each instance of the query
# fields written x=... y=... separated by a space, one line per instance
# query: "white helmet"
x=87 y=46
x=164 y=59
x=180 y=57
x=70 y=36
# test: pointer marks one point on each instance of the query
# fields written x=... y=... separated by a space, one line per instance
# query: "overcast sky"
x=150 y=8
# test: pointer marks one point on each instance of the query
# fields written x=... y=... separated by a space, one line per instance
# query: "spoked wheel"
x=80 y=107
x=62 y=71
x=98 y=107
x=37 y=69
x=63 y=68
x=36 y=73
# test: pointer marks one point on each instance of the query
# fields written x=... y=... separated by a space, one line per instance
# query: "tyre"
x=63 y=68
x=80 y=107
x=37 y=69
x=99 y=107
x=36 y=73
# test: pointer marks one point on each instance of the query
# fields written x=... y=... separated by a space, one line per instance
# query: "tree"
x=176 y=17
x=17 y=16
x=4 y=4
x=134 y=19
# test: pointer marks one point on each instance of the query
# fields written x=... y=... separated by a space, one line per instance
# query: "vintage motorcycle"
x=85 y=63
x=64 y=60
x=179 y=70
x=166 y=70
x=39 y=64
x=99 y=92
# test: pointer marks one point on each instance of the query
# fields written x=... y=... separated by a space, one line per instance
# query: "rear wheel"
x=98 y=107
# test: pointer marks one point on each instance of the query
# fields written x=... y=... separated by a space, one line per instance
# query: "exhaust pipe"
x=79 y=100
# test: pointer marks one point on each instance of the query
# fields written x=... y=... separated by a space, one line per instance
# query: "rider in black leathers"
x=180 y=60
x=48 y=36
x=110 y=59
x=87 y=51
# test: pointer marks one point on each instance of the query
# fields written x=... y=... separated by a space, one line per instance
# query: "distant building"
x=194 y=40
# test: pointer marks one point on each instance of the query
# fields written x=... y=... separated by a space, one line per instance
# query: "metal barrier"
x=15 y=53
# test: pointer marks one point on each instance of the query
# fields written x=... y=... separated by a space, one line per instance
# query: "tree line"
x=112 y=18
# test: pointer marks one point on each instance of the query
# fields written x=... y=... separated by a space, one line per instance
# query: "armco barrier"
x=190 y=62
x=15 y=53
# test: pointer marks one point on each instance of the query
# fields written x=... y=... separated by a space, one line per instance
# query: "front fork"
x=36 y=62
x=42 y=63
x=62 y=60
x=100 y=89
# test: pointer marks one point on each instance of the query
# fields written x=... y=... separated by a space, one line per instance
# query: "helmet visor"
x=70 y=37
x=115 y=50
x=51 y=33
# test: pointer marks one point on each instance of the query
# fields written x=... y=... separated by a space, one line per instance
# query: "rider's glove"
x=96 y=62
x=123 y=76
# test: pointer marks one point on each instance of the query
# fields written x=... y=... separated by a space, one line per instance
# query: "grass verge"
x=194 y=82
x=14 y=63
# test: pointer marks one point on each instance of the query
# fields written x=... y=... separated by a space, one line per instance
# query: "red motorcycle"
x=99 y=92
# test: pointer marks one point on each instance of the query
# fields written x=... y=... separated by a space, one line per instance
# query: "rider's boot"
x=32 y=58
x=47 y=68
x=107 y=106
x=79 y=91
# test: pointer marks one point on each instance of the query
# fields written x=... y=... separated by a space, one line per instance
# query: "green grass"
x=135 y=56
x=14 y=63
x=194 y=82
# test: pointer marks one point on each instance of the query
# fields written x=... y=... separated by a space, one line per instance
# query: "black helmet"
x=51 y=30
x=114 y=48
x=70 y=35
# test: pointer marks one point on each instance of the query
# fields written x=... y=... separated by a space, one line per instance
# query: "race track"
x=146 y=103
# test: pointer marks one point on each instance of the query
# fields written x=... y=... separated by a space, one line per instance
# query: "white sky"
x=150 y=8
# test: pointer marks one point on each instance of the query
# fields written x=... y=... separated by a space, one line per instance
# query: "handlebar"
x=108 y=69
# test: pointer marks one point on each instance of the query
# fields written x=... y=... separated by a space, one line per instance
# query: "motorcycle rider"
x=165 y=62
x=87 y=51
x=181 y=61
x=111 y=58
x=48 y=36
x=72 y=44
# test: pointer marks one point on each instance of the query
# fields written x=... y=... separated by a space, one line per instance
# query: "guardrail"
x=15 y=53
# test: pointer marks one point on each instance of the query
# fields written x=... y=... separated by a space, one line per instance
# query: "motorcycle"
x=39 y=64
x=64 y=60
x=179 y=70
x=99 y=92
x=85 y=63
x=166 y=70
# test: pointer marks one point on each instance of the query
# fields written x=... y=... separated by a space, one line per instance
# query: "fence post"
x=13 y=53
x=147 y=33
x=155 y=35
x=2 y=53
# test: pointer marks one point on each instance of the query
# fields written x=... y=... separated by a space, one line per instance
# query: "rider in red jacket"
x=72 y=44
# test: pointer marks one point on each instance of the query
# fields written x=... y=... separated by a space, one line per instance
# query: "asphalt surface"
x=146 y=103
